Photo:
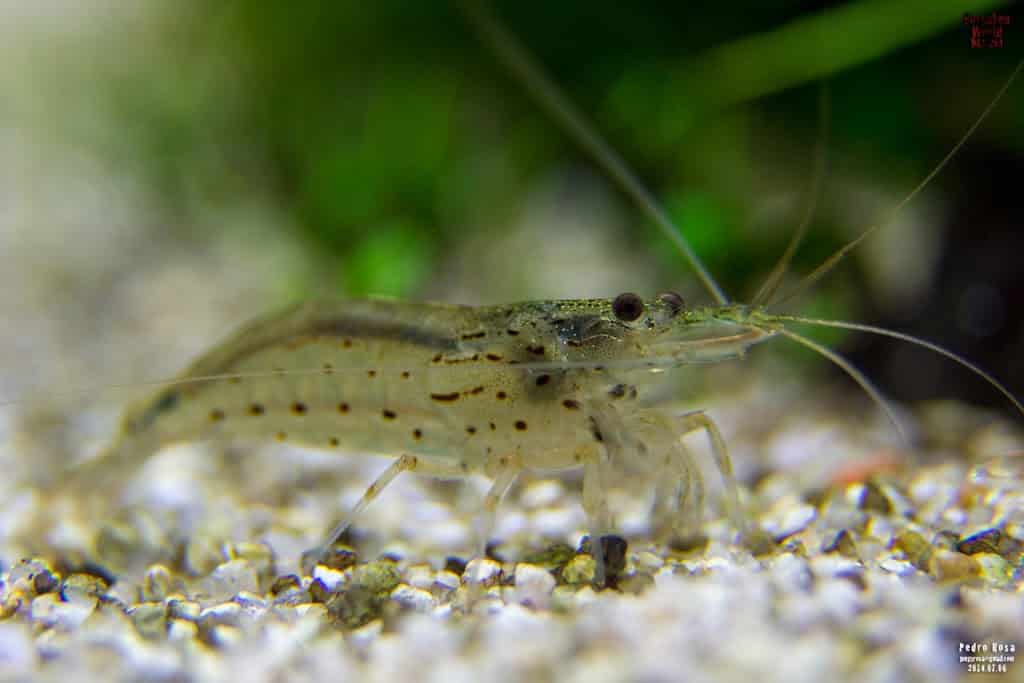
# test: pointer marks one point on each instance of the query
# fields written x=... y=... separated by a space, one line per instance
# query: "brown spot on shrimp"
x=446 y=398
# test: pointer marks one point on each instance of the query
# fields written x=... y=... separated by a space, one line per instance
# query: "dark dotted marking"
x=475 y=335
x=543 y=379
x=471 y=429
x=493 y=426
x=571 y=404
x=405 y=374
x=437 y=358
x=618 y=391
x=328 y=369
x=343 y=408
x=536 y=350
x=279 y=371
x=334 y=441
x=281 y=436
x=347 y=343
x=256 y=409
x=446 y=398
x=417 y=434
x=216 y=415
x=501 y=395
x=371 y=373
x=299 y=408
x=574 y=343
x=455 y=361
x=511 y=332
x=521 y=425
x=464 y=466
x=389 y=414
x=577 y=457
x=494 y=357
x=596 y=431
x=503 y=461
x=475 y=390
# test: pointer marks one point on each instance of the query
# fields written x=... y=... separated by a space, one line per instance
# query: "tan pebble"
x=947 y=565
x=844 y=544
x=636 y=584
x=579 y=570
x=985 y=541
x=994 y=569
x=914 y=546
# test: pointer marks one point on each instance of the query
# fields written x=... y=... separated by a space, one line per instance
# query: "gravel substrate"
x=876 y=571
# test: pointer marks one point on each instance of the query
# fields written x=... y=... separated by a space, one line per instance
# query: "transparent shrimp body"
x=455 y=390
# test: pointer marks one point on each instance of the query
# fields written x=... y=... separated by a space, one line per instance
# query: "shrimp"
x=451 y=391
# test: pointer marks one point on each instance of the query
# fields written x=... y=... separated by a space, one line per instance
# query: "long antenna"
x=838 y=256
x=855 y=374
x=912 y=340
x=514 y=56
x=771 y=283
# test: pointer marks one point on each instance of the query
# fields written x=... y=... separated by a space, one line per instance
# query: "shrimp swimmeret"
x=451 y=391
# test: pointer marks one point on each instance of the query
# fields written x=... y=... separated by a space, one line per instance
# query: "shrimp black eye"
x=673 y=302
x=628 y=307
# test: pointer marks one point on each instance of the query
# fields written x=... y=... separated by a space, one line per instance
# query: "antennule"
x=841 y=253
x=771 y=283
x=514 y=56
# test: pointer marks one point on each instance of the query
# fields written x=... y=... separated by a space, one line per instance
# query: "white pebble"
x=788 y=518
x=483 y=571
x=181 y=630
x=898 y=567
x=533 y=585
x=50 y=611
x=17 y=652
x=416 y=599
x=230 y=578
x=331 y=578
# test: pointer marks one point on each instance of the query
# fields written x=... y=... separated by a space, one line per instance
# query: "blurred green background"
x=389 y=150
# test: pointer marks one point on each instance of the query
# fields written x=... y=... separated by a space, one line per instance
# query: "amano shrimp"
x=451 y=391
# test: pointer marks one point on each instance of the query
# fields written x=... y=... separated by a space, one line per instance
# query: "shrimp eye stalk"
x=628 y=307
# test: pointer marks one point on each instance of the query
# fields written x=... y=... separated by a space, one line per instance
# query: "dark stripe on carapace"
x=446 y=398
x=342 y=328
x=475 y=335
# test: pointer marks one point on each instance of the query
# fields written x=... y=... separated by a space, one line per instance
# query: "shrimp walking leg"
x=485 y=522
x=406 y=463
x=691 y=422
x=595 y=504
x=679 y=479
